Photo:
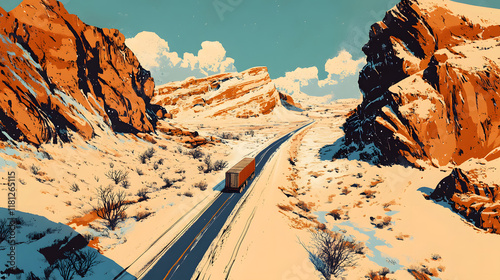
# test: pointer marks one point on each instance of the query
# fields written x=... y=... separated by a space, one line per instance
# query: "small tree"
x=111 y=205
x=65 y=269
x=331 y=253
x=83 y=260
x=220 y=164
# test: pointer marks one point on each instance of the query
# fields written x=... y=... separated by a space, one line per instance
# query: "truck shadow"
x=220 y=186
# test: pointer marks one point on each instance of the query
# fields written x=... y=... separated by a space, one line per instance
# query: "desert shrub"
x=368 y=193
x=331 y=253
x=117 y=175
x=196 y=153
x=359 y=248
x=110 y=206
x=435 y=257
x=303 y=206
x=201 y=168
x=220 y=164
x=202 y=185
x=74 y=187
x=226 y=135
x=180 y=150
x=139 y=171
x=156 y=166
x=150 y=152
x=168 y=183
x=143 y=193
x=188 y=194
x=143 y=158
x=345 y=191
x=34 y=169
x=160 y=161
x=250 y=133
x=111 y=165
x=336 y=214
x=180 y=171
x=142 y=215
x=208 y=162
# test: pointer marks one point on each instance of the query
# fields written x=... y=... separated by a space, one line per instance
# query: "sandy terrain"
x=52 y=191
x=382 y=207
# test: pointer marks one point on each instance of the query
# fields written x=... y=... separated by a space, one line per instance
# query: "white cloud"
x=154 y=54
x=340 y=69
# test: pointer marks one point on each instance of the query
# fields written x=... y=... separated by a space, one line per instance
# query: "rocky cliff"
x=60 y=74
x=473 y=198
x=430 y=86
x=250 y=93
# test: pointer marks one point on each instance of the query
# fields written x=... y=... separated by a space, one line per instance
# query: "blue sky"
x=279 y=34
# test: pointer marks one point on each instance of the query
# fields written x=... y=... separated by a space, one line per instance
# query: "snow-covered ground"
x=382 y=207
x=56 y=186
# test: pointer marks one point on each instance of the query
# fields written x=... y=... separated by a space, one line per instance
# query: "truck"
x=237 y=177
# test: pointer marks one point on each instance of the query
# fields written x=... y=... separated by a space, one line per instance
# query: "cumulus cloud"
x=154 y=54
x=340 y=82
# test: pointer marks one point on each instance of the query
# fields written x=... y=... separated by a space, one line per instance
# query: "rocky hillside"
x=247 y=94
x=473 y=198
x=60 y=75
x=430 y=86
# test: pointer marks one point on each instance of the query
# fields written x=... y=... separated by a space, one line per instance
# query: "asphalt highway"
x=181 y=259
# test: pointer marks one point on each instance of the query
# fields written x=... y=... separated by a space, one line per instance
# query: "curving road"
x=181 y=259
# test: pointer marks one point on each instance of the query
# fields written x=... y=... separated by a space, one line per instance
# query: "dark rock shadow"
x=39 y=244
x=338 y=150
x=425 y=190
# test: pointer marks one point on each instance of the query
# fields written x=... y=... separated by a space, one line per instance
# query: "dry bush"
x=336 y=214
x=143 y=193
x=208 y=162
x=250 y=133
x=220 y=164
x=435 y=257
x=188 y=194
x=303 y=206
x=196 y=153
x=168 y=183
x=117 y=175
x=74 y=187
x=142 y=215
x=369 y=193
x=139 y=171
x=202 y=185
x=110 y=206
x=345 y=191
x=35 y=169
x=331 y=253
x=125 y=184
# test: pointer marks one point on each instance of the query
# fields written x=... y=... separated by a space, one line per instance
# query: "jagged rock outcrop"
x=430 y=86
x=250 y=93
x=60 y=74
x=471 y=197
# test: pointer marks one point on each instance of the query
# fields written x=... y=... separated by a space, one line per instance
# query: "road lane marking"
x=196 y=238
